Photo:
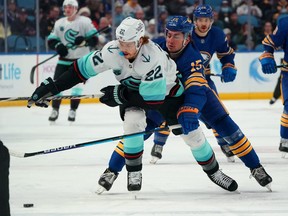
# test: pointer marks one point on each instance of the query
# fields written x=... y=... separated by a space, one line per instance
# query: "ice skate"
x=156 y=153
x=228 y=153
x=106 y=181
x=54 y=116
x=72 y=115
x=223 y=181
x=283 y=148
x=134 y=181
x=262 y=177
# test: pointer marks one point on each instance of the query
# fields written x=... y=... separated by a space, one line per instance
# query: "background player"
x=4 y=180
x=71 y=37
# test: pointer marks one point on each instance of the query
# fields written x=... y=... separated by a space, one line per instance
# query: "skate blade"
x=283 y=154
x=100 y=190
x=231 y=159
x=268 y=186
x=154 y=160
x=134 y=194
x=52 y=123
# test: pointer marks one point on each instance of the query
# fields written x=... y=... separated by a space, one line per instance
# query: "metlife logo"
x=9 y=72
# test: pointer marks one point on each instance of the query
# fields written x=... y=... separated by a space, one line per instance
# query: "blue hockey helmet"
x=203 y=11
x=180 y=23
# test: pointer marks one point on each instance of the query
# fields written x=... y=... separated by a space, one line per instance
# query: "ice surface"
x=64 y=183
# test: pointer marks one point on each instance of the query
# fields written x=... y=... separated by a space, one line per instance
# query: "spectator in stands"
x=119 y=16
x=246 y=36
x=106 y=35
x=48 y=21
x=162 y=20
x=177 y=7
x=225 y=11
x=266 y=30
x=131 y=7
x=139 y=14
x=282 y=7
x=217 y=22
x=245 y=6
x=84 y=11
x=227 y=32
x=267 y=9
x=151 y=29
x=11 y=12
x=22 y=25
x=233 y=24
x=46 y=5
x=4 y=31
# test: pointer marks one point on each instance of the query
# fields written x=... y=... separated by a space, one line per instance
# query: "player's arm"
x=80 y=71
x=226 y=56
x=271 y=43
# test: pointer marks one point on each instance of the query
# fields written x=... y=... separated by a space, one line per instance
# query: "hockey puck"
x=28 y=205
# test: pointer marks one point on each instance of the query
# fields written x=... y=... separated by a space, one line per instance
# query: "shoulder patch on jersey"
x=117 y=72
x=146 y=58
x=62 y=28
x=111 y=48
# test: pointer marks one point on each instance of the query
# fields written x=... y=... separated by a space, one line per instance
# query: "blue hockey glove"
x=188 y=118
x=113 y=95
x=268 y=63
x=39 y=96
x=228 y=73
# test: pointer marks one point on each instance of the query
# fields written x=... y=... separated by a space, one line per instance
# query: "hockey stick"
x=218 y=75
x=95 y=142
x=282 y=65
x=53 y=97
x=40 y=63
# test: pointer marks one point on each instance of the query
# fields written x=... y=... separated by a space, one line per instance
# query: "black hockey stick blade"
x=282 y=65
x=90 y=143
x=35 y=66
x=53 y=97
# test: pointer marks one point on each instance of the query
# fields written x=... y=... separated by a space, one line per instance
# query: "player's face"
x=128 y=49
x=203 y=24
x=69 y=10
x=174 y=41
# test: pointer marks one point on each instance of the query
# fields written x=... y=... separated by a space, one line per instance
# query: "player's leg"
x=59 y=70
x=155 y=119
x=74 y=103
x=218 y=117
x=283 y=147
x=221 y=142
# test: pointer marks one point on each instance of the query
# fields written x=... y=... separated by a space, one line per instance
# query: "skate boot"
x=54 y=115
x=156 y=153
x=283 y=148
x=223 y=181
x=262 y=177
x=134 y=181
x=228 y=153
x=106 y=181
x=72 y=115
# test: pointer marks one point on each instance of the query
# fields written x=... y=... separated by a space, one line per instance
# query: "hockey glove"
x=188 y=118
x=39 y=96
x=268 y=63
x=61 y=49
x=228 y=73
x=113 y=95
x=80 y=41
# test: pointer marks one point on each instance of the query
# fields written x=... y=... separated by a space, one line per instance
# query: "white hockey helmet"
x=70 y=2
x=130 y=30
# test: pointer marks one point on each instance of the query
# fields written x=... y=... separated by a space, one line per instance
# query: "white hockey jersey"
x=152 y=73
x=66 y=32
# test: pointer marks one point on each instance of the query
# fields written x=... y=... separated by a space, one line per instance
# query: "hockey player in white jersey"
x=148 y=80
x=71 y=37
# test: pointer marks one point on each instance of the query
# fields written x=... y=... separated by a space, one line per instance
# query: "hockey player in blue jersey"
x=279 y=38
x=210 y=107
x=149 y=81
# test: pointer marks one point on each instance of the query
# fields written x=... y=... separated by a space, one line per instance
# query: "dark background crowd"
x=245 y=22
